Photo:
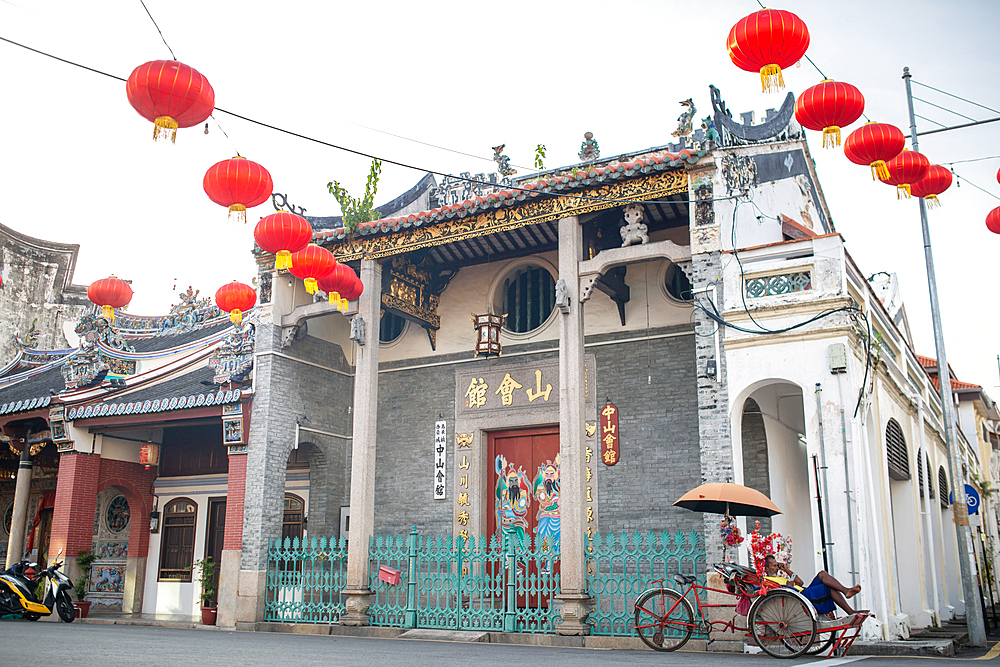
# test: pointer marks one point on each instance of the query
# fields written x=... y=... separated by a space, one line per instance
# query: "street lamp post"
x=959 y=506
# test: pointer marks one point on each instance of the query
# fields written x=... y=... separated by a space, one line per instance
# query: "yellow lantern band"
x=109 y=313
x=165 y=129
x=932 y=201
x=310 y=284
x=282 y=260
x=236 y=316
x=903 y=191
x=831 y=136
x=238 y=213
x=333 y=298
x=770 y=79
x=343 y=305
x=879 y=170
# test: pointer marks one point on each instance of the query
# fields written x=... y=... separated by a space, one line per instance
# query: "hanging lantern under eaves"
x=488 y=334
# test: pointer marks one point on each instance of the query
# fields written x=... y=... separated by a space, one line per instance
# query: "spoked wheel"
x=782 y=625
x=65 y=608
x=821 y=644
x=663 y=619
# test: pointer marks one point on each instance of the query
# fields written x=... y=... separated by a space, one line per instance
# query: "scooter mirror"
x=59 y=553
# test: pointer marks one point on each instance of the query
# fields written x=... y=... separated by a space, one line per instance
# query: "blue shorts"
x=819 y=594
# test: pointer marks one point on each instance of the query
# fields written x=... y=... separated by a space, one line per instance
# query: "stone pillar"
x=572 y=491
x=713 y=394
x=135 y=579
x=272 y=432
x=232 y=542
x=363 y=449
x=15 y=543
x=73 y=513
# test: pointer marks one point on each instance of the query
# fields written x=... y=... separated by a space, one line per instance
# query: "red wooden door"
x=524 y=492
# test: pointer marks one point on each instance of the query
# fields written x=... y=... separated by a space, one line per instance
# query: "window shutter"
x=899 y=463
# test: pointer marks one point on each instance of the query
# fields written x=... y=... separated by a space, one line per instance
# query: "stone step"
x=446 y=635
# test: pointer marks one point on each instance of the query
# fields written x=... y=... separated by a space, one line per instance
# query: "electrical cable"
x=981 y=106
x=158 y=29
x=929 y=121
x=386 y=160
x=962 y=178
x=978 y=159
x=937 y=106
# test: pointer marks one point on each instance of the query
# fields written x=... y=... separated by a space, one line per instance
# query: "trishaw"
x=781 y=621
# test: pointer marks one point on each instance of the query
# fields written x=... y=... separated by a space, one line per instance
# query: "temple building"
x=493 y=435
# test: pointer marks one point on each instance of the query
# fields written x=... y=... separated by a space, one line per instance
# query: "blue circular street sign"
x=971 y=497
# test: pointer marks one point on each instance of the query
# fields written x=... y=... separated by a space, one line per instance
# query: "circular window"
x=526 y=296
x=117 y=516
x=391 y=327
x=676 y=284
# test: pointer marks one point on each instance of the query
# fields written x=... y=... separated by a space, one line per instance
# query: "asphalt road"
x=23 y=643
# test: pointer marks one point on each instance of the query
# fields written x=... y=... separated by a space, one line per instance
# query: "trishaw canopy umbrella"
x=732 y=499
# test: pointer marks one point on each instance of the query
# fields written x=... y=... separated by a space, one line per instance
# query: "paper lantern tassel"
x=165 y=129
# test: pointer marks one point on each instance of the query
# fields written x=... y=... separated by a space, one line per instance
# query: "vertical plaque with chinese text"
x=609 y=434
x=440 y=458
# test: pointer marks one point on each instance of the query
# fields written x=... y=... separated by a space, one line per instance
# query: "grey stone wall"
x=658 y=422
x=285 y=391
x=755 y=464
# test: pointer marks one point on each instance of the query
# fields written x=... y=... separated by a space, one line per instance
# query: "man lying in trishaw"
x=833 y=635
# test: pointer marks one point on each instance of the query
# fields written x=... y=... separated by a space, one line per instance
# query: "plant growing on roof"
x=354 y=210
x=539 y=156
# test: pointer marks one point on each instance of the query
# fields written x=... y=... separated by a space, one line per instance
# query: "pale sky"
x=79 y=164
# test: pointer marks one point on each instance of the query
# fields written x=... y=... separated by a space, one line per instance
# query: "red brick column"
x=76 y=495
x=235 y=493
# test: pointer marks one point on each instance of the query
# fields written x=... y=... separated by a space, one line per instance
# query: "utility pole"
x=959 y=506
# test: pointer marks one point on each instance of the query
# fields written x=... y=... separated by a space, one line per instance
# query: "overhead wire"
x=143 y=2
x=981 y=106
x=387 y=160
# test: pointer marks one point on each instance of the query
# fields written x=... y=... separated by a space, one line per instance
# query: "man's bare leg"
x=838 y=592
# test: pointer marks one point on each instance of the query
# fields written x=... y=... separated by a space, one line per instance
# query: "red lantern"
x=110 y=293
x=235 y=298
x=170 y=94
x=310 y=264
x=282 y=233
x=335 y=283
x=355 y=289
x=767 y=41
x=906 y=168
x=993 y=220
x=935 y=181
x=829 y=106
x=874 y=144
x=238 y=183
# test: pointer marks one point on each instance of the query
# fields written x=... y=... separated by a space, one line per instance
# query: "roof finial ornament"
x=589 y=150
x=503 y=161
x=685 y=123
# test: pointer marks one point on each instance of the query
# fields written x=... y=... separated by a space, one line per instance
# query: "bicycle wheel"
x=821 y=643
x=782 y=625
x=663 y=619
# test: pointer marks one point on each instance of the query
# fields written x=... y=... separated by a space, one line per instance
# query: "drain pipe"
x=847 y=478
x=826 y=484
x=928 y=485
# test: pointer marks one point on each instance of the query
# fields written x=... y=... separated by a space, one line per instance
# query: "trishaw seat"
x=684 y=579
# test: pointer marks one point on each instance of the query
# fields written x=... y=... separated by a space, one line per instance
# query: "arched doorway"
x=776 y=462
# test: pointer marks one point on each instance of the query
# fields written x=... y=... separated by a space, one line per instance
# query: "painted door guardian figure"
x=513 y=497
x=547 y=495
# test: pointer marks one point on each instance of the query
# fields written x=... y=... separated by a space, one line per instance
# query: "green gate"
x=304 y=580
x=446 y=583
x=620 y=567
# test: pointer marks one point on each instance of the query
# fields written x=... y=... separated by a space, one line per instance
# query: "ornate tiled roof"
x=184 y=391
x=557 y=184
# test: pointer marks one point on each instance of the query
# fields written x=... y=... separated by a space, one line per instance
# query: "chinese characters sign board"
x=440 y=458
x=609 y=434
x=520 y=387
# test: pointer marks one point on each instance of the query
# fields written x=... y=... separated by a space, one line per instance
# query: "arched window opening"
x=895 y=443
x=293 y=521
x=942 y=487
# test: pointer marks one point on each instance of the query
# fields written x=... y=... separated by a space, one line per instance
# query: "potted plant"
x=85 y=561
x=206 y=577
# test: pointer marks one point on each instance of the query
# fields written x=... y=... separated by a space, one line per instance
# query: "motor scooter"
x=17 y=592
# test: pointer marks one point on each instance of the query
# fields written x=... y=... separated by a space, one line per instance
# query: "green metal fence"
x=499 y=586
x=304 y=580
x=453 y=584
x=620 y=567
